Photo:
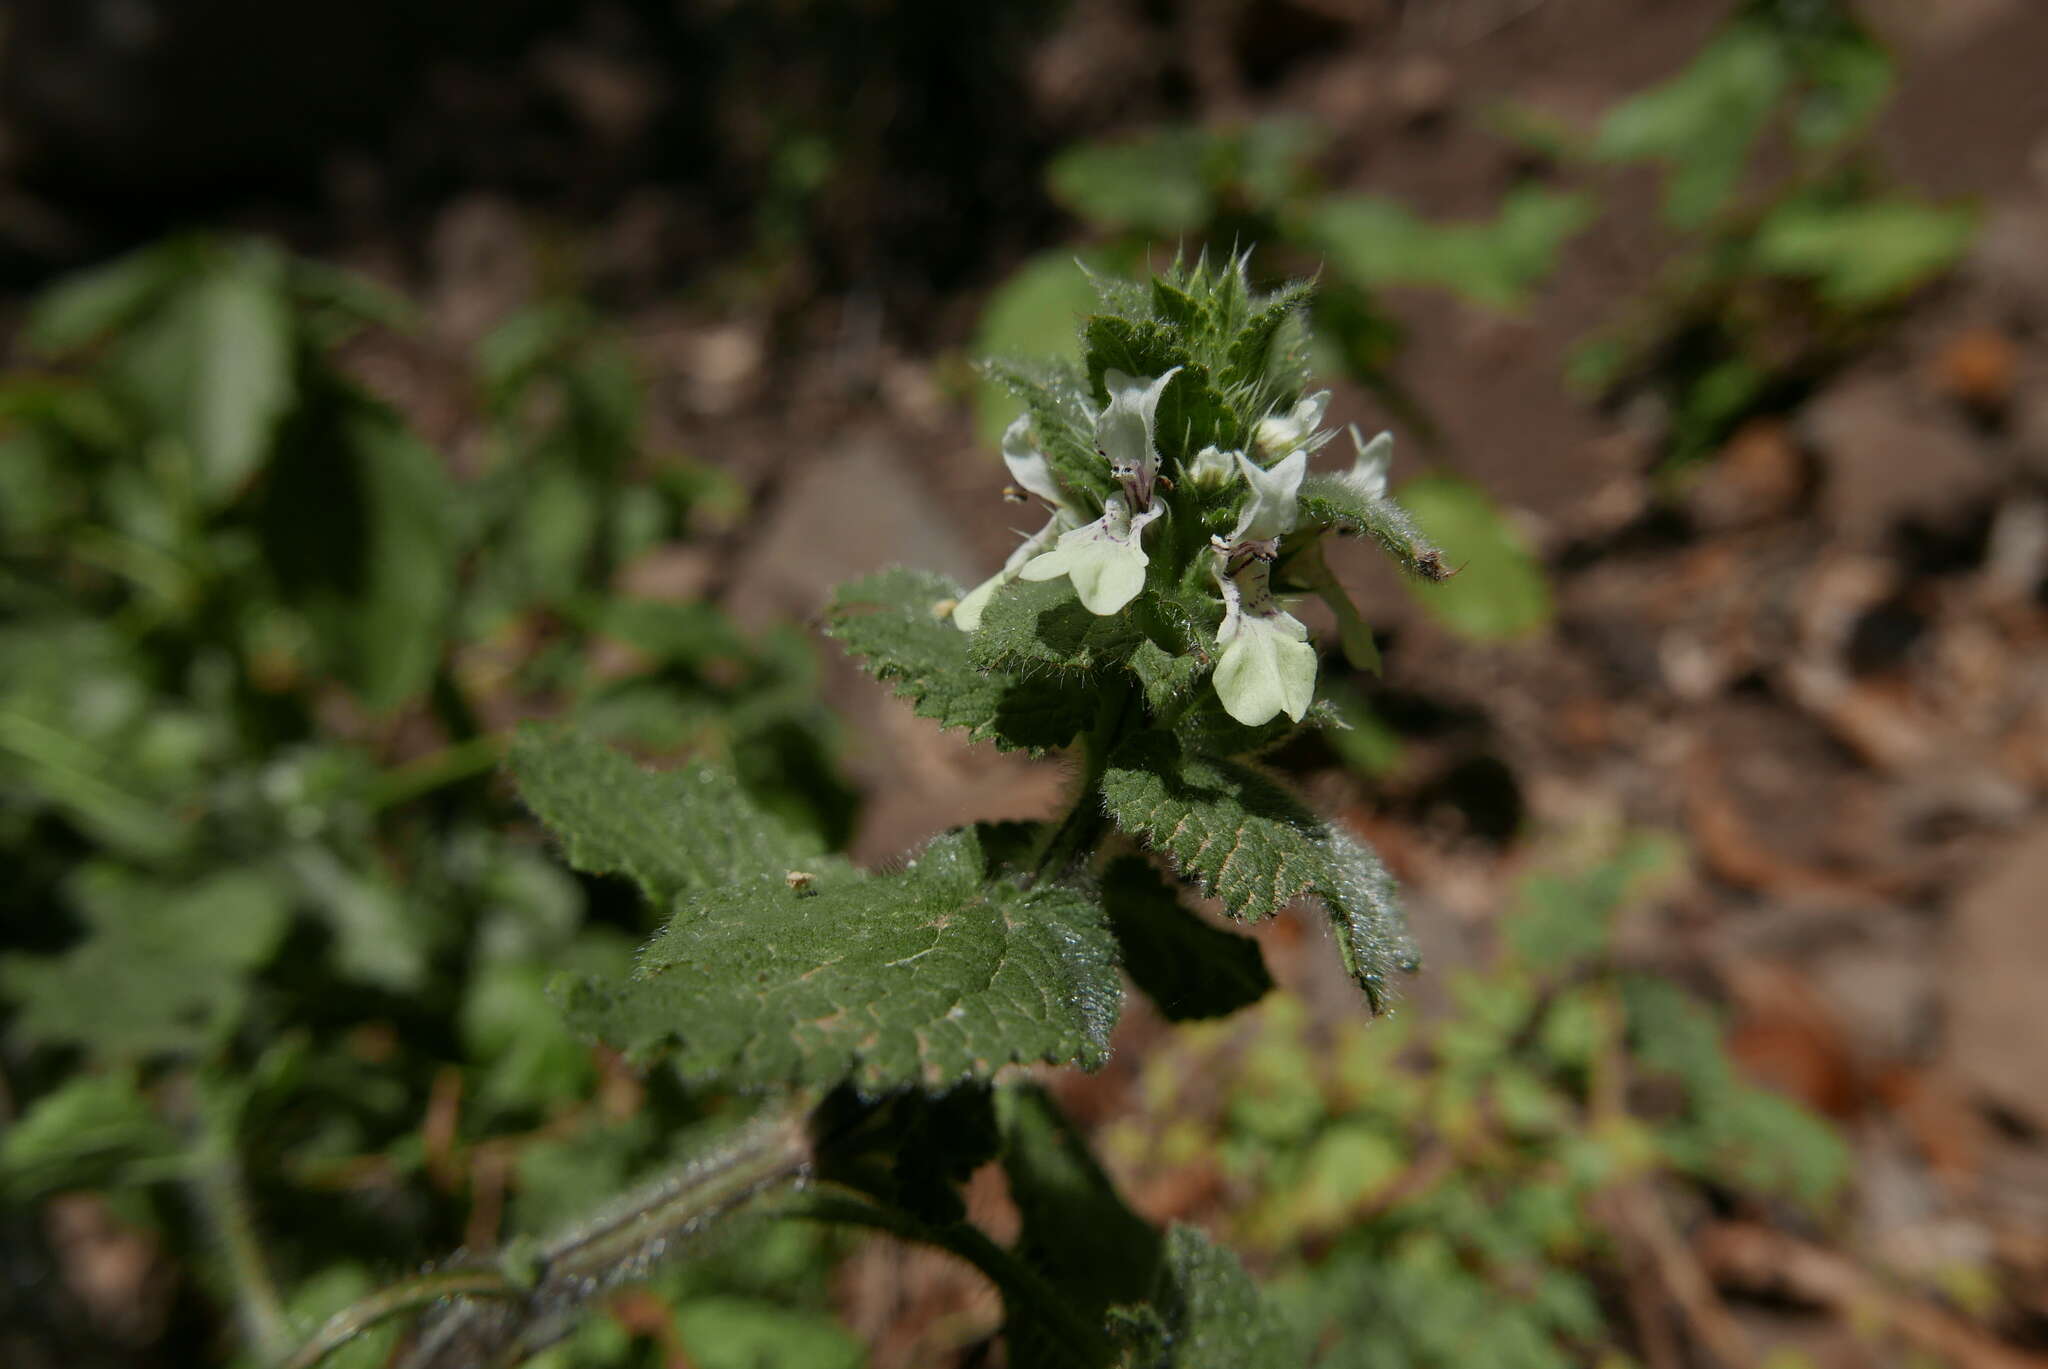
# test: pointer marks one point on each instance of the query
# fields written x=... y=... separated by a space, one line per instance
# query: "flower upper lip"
x=1123 y=432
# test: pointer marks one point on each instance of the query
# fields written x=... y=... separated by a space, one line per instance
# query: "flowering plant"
x=879 y=1012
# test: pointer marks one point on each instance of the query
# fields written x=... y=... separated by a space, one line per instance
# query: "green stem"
x=533 y=1288
x=358 y=1317
x=1019 y=1283
x=217 y=1190
x=771 y=1149
x=1079 y=831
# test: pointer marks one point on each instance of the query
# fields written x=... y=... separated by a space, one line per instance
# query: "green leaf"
x=1377 y=242
x=1034 y=315
x=1076 y=1230
x=1249 y=360
x=926 y=976
x=1167 y=679
x=724 y=1332
x=216 y=366
x=81 y=309
x=1062 y=422
x=673 y=833
x=888 y=621
x=1703 y=121
x=1205 y=1313
x=357 y=522
x=163 y=967
x=1226 y=826
x=1248 y=843
x=1562 y=920
x=1038 y=628
x=1328 y=501
x=1863 y=252
x=88 y=1133
x=1153 y=183
x=1189 y=968
x=1500 y=591
x=378 y=938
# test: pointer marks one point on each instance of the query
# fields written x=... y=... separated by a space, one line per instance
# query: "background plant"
x=276 y=954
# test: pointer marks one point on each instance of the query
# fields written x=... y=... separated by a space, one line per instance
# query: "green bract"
x=1188 y=412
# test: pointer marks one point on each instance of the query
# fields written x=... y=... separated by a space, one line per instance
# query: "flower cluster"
x=1265 y=664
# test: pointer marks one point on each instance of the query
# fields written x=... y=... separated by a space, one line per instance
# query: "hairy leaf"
x=1238 y=834
x=1205 y=1313
x=672 y=833
x=890 y=621
x=1077 y=1232
x=1328 y=501
x=926 y=976
x=1248 y=843
x=1039 y=628
x=1062 y=412
x=1035 y=314
x=1189 y=968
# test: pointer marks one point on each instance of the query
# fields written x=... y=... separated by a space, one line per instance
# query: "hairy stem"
x=1078 y=832
x=503 y=1311
x=217 y=1190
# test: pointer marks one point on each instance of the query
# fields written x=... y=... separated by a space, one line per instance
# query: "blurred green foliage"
x=1437 y=1189
x=1790 y=243
x=278 y=950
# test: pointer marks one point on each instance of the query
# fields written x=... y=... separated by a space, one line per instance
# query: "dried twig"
x=1757 y=1257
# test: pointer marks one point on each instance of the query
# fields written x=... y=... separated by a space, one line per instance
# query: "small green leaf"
x=889 y=621
x=724 y=1332
x=1153 y=183
x=1330 y=501
x=215 y=365
x=1499 y=591
x=1038 y=627
x=1035 y=315
x=163 y=969
x=88 y=1133
x=1187 y=967
x=674 y=833
x=357 y=523
x=83 y=308
x=1248 y=843
x=926 y=977
x=1702 y=122
x=1863 y=252
x=1377 y=242
x=1225 y=825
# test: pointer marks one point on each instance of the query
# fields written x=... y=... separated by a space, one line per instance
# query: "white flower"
x=1106 y=560
x=1275 y=504
x=1267 y=665
x=1032 y=472
x=1123 y=432
x=1028 y=466
x=1213 y=468
x=1278 y=434
x=1368 y=474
